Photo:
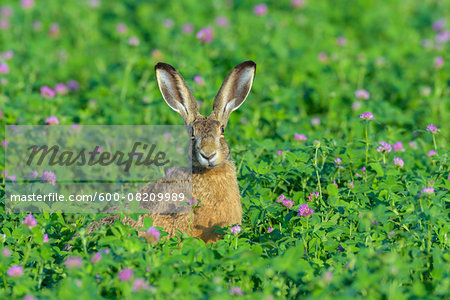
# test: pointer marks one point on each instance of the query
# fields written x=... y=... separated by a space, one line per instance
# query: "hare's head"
x=208 y=145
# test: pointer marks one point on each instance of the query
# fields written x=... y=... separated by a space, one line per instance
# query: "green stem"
x=37 y=271
x=84 y=241
x=434 y=142
x=128 y=69
x=27 y=254
x=4 y=282
x=318 y=177
x=190 y=220
x=41 y=268
x=351 y=225
x=366 y=127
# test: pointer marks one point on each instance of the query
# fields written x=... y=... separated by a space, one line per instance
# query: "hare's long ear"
x=234 y=90
x=176 y=92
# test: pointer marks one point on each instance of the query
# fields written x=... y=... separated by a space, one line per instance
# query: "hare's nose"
x=208 y=156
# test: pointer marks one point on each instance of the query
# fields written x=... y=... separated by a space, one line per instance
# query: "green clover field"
x=341 y=148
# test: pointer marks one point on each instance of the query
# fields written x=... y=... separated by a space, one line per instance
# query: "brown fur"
x=220 y=206
x=213 y=174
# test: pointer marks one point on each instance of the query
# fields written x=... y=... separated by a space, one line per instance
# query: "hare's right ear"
x=176 y=92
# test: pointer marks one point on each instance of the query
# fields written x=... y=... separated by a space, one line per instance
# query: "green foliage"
x=374 y=233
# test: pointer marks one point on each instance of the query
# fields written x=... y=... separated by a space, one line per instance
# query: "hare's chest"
x=220 y=204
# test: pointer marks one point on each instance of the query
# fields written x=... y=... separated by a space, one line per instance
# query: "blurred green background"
x=376 y=233
x=311 y=58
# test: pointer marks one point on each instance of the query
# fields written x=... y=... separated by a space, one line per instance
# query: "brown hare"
x=214 y=180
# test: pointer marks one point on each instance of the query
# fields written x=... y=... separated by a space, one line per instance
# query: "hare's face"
x=208 y=146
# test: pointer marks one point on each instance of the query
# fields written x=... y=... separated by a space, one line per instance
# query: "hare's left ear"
x=234 y=90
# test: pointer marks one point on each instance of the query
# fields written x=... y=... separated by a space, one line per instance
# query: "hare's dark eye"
x=192 y=133
x=222 y=130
